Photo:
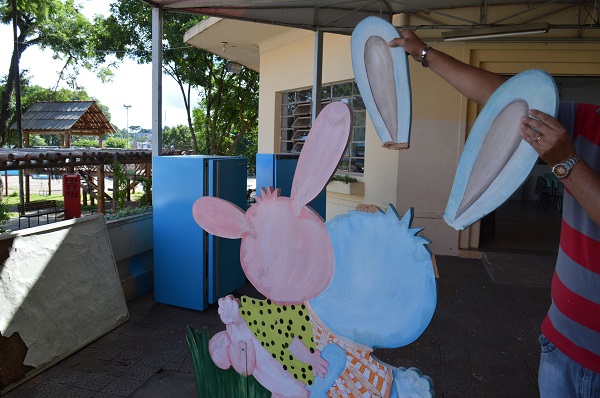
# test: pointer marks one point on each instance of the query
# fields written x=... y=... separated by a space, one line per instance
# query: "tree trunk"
x=189 y=120
x=5 y=112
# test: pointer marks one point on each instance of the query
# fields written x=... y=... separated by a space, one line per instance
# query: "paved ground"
x=482 y=341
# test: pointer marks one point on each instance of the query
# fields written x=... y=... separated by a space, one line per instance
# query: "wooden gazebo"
x=92 y=161
x=66 y=118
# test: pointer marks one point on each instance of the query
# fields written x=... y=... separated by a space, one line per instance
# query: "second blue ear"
x=383 y=80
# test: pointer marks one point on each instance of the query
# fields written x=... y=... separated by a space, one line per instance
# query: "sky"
x=131 y=85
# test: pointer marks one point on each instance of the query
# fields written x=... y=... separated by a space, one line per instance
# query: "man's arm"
x=474 y=83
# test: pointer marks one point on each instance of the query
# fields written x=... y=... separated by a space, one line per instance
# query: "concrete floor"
x=482 y=341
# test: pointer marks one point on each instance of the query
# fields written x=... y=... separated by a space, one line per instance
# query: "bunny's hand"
x=229 y=310
x=302 y=353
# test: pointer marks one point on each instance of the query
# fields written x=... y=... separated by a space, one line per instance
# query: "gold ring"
x=538 y=138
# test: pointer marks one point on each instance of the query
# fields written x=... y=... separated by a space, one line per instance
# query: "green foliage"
x=178 y=137
x=55 y=25
x=226 y=119
x=146 y=198
x=36 y=140
x=129 y=211
x=112 y=142
x=214 y=382
x=128 y=33
x=4 y=214
x=345 y=178
x=120 y=184
x=31 y=94
x=225 y=122
x=248 y=147
x=85 y=143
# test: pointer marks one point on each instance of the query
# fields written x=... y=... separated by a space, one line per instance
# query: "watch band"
x=423 y=55
x=561 y=170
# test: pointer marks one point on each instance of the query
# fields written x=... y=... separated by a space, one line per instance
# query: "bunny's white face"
x=286 y=252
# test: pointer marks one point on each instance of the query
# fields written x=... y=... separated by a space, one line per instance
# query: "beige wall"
x=422 y=176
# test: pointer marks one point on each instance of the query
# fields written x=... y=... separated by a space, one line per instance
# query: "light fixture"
x=234 y=67
x=496 y=31
x=400 y=20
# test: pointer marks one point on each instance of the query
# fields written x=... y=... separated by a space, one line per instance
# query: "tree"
x=36 y=140
x=227 y=117
x=50 y=24
x=229 y=104
x=112 y=142
x=128 y=33
x=177 y=137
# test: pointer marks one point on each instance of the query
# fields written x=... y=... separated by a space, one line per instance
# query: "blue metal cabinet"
x=192 y=268
x=277 y=170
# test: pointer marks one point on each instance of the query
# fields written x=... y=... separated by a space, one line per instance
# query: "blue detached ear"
x=382 y=78
x=496 y=160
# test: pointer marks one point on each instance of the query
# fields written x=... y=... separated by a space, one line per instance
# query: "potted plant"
x=345 y=184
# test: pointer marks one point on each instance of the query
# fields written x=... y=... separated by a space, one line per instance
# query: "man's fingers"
x=544 y=118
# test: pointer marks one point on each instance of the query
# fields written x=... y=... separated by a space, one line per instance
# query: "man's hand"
x=411 y=43
x=547 y=136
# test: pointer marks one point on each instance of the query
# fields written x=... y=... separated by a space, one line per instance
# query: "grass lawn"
x=13 y=200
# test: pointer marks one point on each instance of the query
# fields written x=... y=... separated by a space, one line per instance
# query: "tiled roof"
x=77 y=117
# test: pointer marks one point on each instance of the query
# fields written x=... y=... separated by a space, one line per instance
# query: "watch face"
x=560 y=170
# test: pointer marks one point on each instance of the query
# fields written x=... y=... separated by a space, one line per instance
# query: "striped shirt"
x=573 y=321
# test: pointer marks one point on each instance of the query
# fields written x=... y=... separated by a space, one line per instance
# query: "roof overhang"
x=341 y=16
x=234 y=40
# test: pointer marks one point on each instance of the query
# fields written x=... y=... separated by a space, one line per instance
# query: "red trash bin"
x=72 y=195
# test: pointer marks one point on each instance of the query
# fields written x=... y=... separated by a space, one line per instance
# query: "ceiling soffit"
x=575 y=18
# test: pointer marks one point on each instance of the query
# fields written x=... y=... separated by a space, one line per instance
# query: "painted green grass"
x=213 y=382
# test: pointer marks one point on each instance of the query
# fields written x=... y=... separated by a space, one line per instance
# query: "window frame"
x=295 y=121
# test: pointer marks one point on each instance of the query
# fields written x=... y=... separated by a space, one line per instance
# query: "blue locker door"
x=179 y=256
x=277 y=170
x=285 y=168
x=226 y=180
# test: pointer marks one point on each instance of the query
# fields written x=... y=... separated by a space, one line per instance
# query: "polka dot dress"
x=275 y=326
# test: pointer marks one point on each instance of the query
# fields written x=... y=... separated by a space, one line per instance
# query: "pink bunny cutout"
x=286 y=252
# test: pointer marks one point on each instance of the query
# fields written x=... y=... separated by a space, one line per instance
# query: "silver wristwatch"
x=561 y=170
x=424 y=63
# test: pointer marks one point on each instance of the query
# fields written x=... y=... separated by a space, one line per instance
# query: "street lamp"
x=127 y=110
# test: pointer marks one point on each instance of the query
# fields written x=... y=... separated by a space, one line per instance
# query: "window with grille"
x=296 y=118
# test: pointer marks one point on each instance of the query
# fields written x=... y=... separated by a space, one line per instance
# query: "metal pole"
x=318 y=76
x=127 y=118
x=157 y=33
x=17 y=75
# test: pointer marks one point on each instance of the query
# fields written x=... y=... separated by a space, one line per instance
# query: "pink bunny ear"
x=220 y=217
x=321 y=153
